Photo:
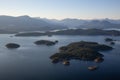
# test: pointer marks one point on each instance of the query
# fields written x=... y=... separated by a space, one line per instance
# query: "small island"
x=45 y=42
x=12 y=45
x=109 y=39
x=80 y=50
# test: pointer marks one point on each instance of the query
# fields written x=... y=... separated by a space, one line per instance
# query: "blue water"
x=32 y=62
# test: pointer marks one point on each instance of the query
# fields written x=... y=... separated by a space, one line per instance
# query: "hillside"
x=26 y=23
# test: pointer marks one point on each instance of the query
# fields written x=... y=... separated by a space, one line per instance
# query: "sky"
x=60 y=9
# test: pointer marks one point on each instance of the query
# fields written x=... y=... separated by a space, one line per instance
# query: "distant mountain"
x=72 y=23
x=112 y=21
x=26 y=23
x=99 y=24
x=79 y=23
x=51 y=21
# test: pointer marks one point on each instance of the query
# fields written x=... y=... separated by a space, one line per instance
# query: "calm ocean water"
x=32 y=62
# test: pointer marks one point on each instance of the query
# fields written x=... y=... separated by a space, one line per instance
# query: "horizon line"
x=62 y=18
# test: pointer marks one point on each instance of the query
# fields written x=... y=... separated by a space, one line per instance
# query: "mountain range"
x=95 y=23
x=24 y=23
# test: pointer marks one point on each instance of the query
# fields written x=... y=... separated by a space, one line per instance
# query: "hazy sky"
x=59 y=9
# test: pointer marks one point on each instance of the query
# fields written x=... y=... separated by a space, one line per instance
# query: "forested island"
x=73 y=32
x=80 y=50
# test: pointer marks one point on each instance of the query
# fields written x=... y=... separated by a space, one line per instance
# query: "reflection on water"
x=31 y=62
